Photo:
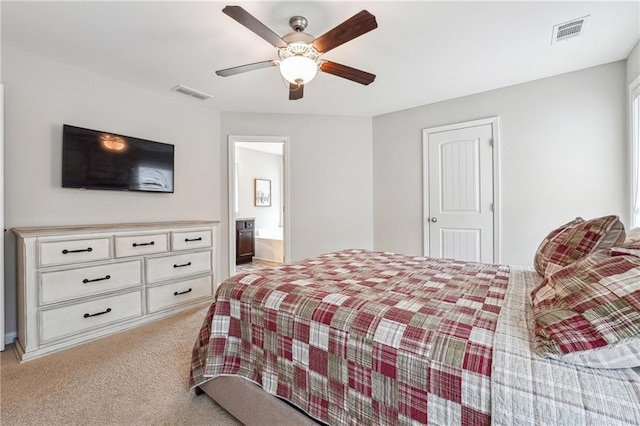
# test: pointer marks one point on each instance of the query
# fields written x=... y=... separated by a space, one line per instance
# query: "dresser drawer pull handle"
x=180 y=266
x=99 y=313
x=143 y=244
x=188 y=240
x=65 y=251
x=86 y=280
x=182 y=292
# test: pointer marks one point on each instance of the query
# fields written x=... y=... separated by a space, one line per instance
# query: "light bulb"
x=298 y=69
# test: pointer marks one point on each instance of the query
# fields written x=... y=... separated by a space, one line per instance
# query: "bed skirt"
x=251 y=405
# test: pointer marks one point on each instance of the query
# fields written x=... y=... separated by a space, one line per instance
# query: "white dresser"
x=78 y=283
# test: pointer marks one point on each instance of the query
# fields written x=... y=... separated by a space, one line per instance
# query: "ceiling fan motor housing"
x=299 y=48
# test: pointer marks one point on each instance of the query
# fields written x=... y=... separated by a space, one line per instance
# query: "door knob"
x=434 y=219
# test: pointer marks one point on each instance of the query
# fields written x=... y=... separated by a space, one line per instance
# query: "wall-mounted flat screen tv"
x=93 y=159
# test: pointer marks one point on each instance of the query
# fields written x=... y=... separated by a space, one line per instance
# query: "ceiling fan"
x=300 y=53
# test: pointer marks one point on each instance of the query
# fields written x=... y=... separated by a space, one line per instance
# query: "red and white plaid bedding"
x=361 y=337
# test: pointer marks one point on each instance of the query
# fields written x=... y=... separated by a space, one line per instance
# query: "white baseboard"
x=10 y=337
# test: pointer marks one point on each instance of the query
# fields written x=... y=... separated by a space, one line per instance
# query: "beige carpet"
x=138 y=377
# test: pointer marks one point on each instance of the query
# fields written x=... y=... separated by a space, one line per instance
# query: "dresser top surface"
x=51 y=230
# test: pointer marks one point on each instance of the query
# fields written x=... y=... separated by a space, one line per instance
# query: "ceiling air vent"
x=191 y=92
x=570 y=29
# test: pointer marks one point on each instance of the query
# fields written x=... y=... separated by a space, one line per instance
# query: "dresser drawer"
x=73 y=251
x=166 y=296
x=185 y=240
x=73 y=283
x=135 y=245
x=74 y=319
x=245 y=224
x=167 y=267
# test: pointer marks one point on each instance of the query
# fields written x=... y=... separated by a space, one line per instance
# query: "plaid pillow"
x=629 y=246
x=575 y=239
x=633 y=250
x=589 y=312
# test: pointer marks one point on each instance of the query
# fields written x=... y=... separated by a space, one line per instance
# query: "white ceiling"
x=421 y=52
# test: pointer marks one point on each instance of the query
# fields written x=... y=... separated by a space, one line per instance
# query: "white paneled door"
x=459 y=192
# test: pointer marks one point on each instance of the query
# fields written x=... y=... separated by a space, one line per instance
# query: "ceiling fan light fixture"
x=298 y=69
x=300 y=52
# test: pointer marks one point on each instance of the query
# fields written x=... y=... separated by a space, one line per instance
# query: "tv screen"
x=93 y=159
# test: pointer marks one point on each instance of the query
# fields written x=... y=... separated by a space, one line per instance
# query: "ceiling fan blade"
x=349 y=73
x=249 y=21
x=295 y=91
x=360 y=23
x=245 y=68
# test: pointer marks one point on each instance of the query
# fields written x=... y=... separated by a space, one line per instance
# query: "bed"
x=369 y=337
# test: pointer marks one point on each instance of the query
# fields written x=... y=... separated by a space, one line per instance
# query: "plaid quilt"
x=361 y=337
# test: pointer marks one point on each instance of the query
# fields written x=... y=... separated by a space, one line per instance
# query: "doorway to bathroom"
x=258 y=202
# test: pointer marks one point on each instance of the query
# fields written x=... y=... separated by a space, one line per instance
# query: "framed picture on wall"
x=262 y=192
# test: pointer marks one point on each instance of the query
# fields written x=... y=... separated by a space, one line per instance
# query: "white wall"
x=261 y=165
x=633 y=63
x=42 y=95
x=563 y=148
x=331 y=178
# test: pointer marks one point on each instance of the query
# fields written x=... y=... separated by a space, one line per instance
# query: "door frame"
x=284 y=140
x=2 y=301
x=495 y=127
